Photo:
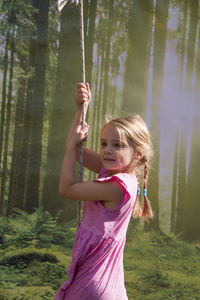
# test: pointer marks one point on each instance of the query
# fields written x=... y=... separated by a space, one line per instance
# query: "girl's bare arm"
x=85 y=191
x=91 y=159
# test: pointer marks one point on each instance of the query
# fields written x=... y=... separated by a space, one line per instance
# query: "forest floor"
x=157 y=266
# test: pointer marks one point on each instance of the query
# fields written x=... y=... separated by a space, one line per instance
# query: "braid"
x=137 y=210
x=146 y=206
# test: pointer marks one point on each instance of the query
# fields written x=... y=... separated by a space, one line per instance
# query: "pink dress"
x=96 y=271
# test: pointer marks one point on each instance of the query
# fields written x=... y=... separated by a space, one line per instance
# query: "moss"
x=27 y=293
x=157 y=266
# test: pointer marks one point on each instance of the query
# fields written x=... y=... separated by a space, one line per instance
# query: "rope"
x=75 y=3
x=79 y=208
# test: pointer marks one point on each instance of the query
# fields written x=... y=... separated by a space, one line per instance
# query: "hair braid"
x=146 y=206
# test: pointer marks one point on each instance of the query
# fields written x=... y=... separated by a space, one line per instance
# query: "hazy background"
x=141 y=56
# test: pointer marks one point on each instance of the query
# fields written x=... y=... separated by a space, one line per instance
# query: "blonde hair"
x=135 y=130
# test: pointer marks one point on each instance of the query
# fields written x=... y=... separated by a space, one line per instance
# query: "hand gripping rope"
x=60 y=6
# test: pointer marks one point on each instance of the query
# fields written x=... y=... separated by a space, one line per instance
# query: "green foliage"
x=39 y=229
x=27 y=293
x=157 y=266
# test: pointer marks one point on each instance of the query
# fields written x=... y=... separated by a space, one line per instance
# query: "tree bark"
x=182 y=46
x=90 y=39
x=160 y=35
x=107 y=57
x=191 y=220
x=14 y=201
x=8 y=116
x=63 y=109
x=138 y=57
x=3 y=105
x=37 y=106
x=191 y=42
x=174 y=188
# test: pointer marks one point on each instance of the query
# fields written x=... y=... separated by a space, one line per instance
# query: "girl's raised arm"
x=91 y=159
x=85 y=191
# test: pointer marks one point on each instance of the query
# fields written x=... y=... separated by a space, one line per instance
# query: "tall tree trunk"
x=160 y=35
x=182 y=46
x=14 y=201
x=100 y=93
x=174 y=188
x=63 y=109
x=8 y=116
x=191 y=42
x=191 y=224
x=90 y=39
x=3 y=104
x=94 y=114
x=181 y=187
x=107 y=57
x=138 y=57
x=37 y=106
x=25 y=149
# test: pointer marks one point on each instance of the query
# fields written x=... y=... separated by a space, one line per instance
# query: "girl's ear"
x=138 y=155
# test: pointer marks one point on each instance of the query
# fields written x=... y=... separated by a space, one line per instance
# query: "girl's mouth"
x=109 y=159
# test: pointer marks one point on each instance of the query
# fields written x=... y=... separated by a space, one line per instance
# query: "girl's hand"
x=82 y=94
x=79 y=135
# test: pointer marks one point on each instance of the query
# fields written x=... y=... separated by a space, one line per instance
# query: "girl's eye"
x=117 y=145
x=103 y=144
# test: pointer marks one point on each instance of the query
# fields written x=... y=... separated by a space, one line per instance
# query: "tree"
x=8 y=117
x=3 y=106
x=174 y=188
x=13 y=200
x=62 y=110
x=90 y=39
x=139 y=26
x=40 y=46
x=160 y=34
x=191 y=222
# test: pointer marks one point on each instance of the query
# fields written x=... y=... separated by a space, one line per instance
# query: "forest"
x=142 y=56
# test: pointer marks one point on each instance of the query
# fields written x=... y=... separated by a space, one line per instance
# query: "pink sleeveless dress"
x=96 y=271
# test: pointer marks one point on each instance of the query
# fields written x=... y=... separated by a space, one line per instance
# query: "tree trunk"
x=100 y=93
x=8 y=116
x=107 y=57
x=37 y=106
x=63 y=109
x=25 y=149
x=182 y=46
x=3 y=105
x=174 y=189
x=14 y=201
x=191 y=43
x=138 y=57
x=191 y=224
x=160 y=34
x=181 y=187
x=90 y=39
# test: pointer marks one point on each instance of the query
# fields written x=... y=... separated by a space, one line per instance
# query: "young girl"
x=96 y=271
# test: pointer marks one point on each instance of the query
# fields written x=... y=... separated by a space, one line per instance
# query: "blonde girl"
x=96 y=271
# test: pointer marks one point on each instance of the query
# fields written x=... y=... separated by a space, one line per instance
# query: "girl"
x=96 y=271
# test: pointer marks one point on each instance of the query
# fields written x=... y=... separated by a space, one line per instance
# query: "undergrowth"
x=35 y=251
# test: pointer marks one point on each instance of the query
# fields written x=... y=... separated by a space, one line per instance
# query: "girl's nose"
x=108 y=149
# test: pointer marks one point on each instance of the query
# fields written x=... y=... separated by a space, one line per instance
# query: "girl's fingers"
x=84 y=88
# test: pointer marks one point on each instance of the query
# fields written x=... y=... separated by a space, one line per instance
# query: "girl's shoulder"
x=129 y=181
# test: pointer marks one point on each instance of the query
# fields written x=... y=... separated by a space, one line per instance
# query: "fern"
x=39 y=229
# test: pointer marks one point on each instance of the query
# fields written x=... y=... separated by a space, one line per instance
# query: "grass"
x=157 y=266
x=161 y=267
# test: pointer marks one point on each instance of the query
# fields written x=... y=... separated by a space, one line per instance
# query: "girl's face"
x=116 y=154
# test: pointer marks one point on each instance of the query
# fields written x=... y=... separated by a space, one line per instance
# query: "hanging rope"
x=75 y=3
x=83 y=106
